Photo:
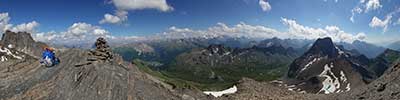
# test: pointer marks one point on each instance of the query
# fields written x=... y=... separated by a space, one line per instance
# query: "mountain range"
x=181 y=69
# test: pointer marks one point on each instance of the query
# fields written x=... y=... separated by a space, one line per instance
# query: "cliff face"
x=22 y=42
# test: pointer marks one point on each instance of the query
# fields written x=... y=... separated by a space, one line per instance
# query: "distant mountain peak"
x=217 y=49
x=324 y=47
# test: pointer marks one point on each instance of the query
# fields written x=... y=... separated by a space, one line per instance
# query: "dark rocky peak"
x=324 y=47
x=327 y=68
x=13 y=37
x=22 y=41
x=218 y=49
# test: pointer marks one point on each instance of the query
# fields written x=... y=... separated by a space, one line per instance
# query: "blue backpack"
x=49 y=59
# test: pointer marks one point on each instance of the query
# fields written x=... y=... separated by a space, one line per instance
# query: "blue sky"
x=143 y=19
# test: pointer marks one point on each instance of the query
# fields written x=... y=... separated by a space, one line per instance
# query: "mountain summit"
x=326 y=68
x=324 y=47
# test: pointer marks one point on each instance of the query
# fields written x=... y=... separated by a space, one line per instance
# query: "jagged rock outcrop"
x=23 y=42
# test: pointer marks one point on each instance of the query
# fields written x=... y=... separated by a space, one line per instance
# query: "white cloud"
x=372 y=5
x=355 y=10
x=142 y=4
x=365 y=6
x=264 y=5
x=376 y=22
x=295 y=30
x=123 y=6
x=119 y=17
x=46 y=37
x=221 y=29
x=81 y=30
x=300 y=31
x=4 y=19
x=26 y=27
x=77 y=32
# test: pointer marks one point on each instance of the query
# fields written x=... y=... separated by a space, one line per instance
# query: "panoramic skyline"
x=375 y=21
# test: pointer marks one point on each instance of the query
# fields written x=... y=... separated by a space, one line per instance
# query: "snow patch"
x=343 y=77
x=309 y=64
x=226 y=53
x=10 y=46
x=9 y=53
x=331 y=82
x=340 y=51
x=3 y=58
x=220 y=93
x=269 y=44
x=215 y=50
x=348 y=87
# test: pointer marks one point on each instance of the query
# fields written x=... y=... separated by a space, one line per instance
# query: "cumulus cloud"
x=77 y=32
x=26 y=27
x=83 y=29
x=365 y=6
x=300 y=31
x=220 y=30
x=119 y=17
x=372 y=5
x=264 y=5
x=142 y=4
x=376 y=22
x=356 y=10
x=4 y=19
x=295 y=30
x=123 y=6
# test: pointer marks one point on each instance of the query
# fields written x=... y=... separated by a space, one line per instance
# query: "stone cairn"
x=102 y=51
